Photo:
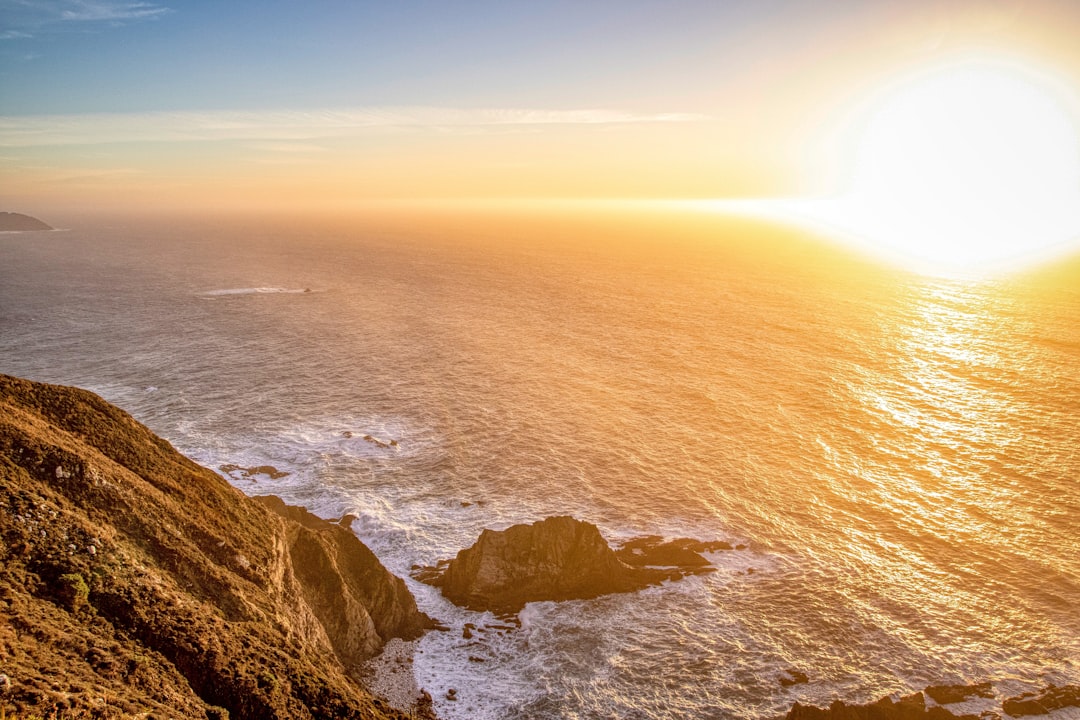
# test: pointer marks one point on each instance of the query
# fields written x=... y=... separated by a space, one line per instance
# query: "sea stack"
x=559 y=558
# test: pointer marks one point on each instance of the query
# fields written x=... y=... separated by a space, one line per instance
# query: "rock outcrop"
x=948 y=694
x=10 y=221
x=914 y=707
x=133 y=580
x=559 y=558
x=910 y=707
x=684 y=553
x=1042 y=702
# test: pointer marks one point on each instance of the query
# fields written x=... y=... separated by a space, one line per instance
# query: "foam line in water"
x=230 y=292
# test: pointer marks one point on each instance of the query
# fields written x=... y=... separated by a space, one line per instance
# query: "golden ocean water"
x=899 y=453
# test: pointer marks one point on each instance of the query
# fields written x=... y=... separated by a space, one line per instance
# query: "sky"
x=180 y=104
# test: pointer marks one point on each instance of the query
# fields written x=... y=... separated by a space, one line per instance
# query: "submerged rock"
x=559 y=558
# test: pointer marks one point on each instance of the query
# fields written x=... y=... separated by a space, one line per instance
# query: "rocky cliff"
x=134 y=581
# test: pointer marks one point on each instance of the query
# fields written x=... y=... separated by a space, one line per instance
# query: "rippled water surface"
x=899 y=453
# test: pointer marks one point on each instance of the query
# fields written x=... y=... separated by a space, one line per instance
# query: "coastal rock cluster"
x=559 y=558
x=133 y=581
x=1042 y=702
x=914 y=706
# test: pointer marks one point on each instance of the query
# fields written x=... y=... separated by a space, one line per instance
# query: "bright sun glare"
x=971 y=165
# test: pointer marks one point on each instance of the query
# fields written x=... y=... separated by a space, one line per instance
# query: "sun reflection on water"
x=938 y=477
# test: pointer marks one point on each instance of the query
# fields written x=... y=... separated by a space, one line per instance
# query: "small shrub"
x=267 y=680
x=73 y=591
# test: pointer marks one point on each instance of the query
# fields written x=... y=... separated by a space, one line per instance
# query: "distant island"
x=10 y=221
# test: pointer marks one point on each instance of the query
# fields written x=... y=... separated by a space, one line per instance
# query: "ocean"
x=899 y=453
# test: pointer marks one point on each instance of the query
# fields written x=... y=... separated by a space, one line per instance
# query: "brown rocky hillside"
x=135 y=583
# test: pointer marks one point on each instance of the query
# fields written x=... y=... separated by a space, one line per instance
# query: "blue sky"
x=601 y=98
x=68 y=56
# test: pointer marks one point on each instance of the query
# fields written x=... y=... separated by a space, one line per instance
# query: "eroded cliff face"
x=359 y=602
x=134 y=580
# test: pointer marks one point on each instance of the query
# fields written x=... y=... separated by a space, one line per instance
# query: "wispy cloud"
x=21 y=19
x=291 y=148
x=82 y=11
x=296 y=126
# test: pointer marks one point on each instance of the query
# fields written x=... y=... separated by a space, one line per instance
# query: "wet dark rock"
x=380 y=443
x=250 y=473
x=652 y=550
x=910 y=707
x=1044 y=701
x=430 y=574
x=946 y=694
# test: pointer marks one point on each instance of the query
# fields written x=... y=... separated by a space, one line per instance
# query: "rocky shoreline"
x=135 y=583
x=915 y=706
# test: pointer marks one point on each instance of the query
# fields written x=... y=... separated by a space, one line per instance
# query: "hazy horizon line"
x=294 y=125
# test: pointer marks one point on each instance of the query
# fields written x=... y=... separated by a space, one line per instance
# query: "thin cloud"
x=285 y=147
x=111 y=11
x=296 y=126
x=20 y=19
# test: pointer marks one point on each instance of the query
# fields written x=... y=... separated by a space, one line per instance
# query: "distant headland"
x=10 y=221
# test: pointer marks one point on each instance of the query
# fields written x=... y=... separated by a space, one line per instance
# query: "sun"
x=970 y=165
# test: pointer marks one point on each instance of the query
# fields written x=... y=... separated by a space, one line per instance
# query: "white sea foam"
x=230 y=292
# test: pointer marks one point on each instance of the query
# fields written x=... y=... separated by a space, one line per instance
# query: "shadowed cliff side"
x=133 y=580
